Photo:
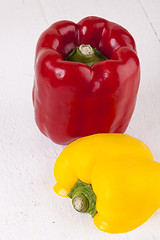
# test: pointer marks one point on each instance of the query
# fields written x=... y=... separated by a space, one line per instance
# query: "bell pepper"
x=113 y=177
x=86 y=79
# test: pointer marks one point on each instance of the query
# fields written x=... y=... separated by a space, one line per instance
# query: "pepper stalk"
x=85 y=54
x=83 y=198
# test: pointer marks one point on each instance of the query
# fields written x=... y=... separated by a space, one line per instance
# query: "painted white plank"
x=152 y=12
x=25 y=159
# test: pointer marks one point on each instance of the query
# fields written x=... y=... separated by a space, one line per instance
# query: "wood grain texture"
x=29 y=209
x=152 y=10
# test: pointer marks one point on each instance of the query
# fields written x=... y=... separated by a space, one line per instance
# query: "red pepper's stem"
x=85 y=54
x=86 y=50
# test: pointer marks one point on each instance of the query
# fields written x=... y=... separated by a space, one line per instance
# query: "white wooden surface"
x=29 y=209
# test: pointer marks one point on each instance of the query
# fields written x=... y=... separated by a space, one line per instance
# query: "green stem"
x=80 y=203
x=85 y=54
x=83 y=198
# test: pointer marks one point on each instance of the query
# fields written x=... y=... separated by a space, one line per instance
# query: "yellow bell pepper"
x=111 y=176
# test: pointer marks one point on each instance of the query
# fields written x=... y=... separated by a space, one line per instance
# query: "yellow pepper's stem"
x=80 y=203
x=83 y=198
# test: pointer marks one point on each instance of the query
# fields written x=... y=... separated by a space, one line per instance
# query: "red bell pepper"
x=72 y=99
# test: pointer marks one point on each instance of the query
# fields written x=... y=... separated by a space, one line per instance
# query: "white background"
x=29 y=209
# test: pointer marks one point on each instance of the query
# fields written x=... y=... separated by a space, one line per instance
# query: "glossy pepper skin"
x=123 y=175
x=73 y=100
